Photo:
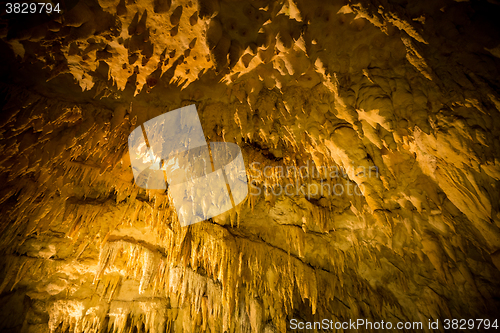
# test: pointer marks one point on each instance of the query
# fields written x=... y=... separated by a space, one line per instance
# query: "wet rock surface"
x=408 y=90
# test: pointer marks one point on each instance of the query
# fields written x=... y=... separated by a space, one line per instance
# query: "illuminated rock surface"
x=410 y=88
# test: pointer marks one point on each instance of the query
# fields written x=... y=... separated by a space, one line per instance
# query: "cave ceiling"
x=400 y=98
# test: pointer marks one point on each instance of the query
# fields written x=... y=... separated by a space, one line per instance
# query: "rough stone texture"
x=410 y=87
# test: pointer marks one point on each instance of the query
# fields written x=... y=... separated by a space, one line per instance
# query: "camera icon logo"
x=169 y=152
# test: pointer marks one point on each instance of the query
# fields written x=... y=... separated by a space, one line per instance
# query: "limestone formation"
x=396 y=103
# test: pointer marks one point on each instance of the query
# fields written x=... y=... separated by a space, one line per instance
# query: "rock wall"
x=408 y=90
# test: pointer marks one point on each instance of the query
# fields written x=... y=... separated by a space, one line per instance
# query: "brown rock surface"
x=411 y=88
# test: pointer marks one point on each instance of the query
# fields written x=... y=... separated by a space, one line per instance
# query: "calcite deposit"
x=396 y=103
